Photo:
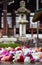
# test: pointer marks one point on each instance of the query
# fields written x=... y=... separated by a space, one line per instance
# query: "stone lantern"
x=22 y=11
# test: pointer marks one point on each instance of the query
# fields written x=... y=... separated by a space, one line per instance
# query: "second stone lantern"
x=22 y=11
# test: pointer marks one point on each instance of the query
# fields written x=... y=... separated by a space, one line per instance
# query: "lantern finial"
x=22 y=3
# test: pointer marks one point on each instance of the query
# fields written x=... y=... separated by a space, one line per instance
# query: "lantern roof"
x=22 y=9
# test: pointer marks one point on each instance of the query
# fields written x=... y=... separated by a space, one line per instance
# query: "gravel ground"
x=20 y=63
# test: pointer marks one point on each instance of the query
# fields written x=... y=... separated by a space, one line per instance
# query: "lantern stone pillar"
x=5 y=17
x=22 y=30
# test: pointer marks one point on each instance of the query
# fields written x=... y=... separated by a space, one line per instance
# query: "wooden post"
x=13 y=18
x=0 y=20
x=13 y=22
x=37 y=7
x=5 y=17
x=31 y=32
